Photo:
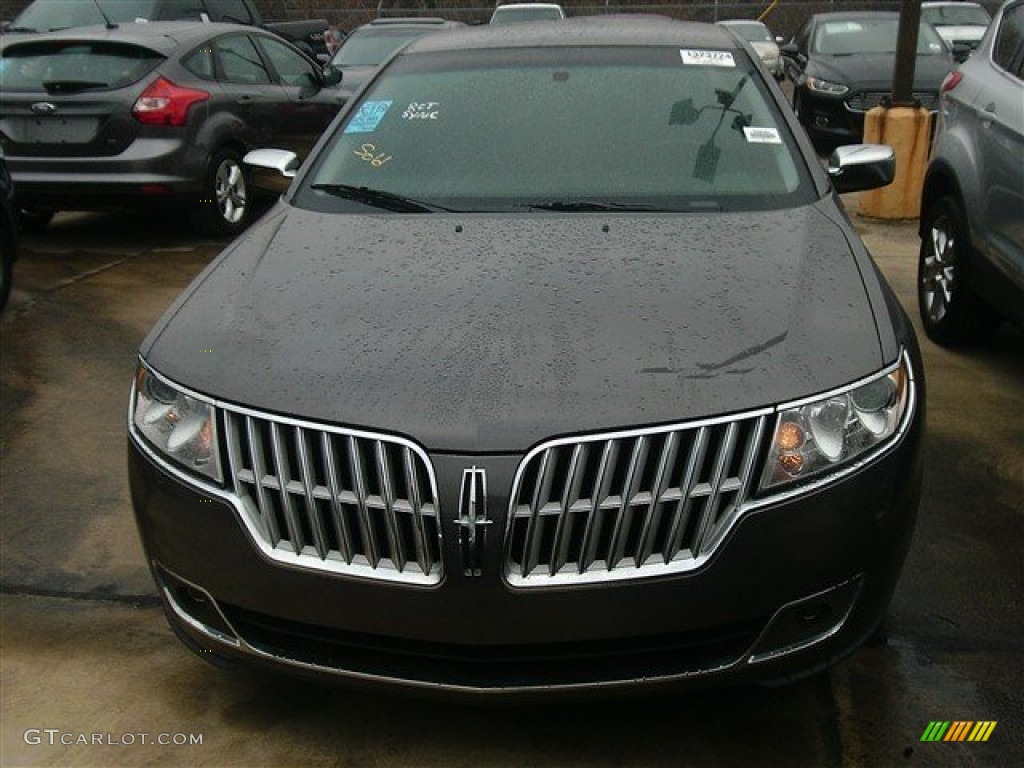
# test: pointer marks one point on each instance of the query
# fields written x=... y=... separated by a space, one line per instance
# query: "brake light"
x=164 y=103
x=952 y=81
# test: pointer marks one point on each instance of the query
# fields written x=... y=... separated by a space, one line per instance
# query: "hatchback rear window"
x=68 y=67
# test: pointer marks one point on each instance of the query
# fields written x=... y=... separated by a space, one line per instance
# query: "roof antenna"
x=110 y=24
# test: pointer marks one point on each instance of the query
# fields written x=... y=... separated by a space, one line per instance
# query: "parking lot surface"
x=93 y=676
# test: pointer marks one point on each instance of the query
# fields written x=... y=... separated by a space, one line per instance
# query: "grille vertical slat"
x=341 y=526
x=710 y=511
x=283 y=479
x=602 y=483
x=681 y=518
x=369 y=536
x=653 y=516
x=629 y=490
x=566 y=521
x=419 y=533
x=629 y=504
x=259 y=470
x=332 y=499
x=387 y=495
x=316 y=524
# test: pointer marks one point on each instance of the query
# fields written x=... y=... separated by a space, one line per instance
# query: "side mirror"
x=312 y=82
x=858 y=167
x=332 y=75
x=281 y=160
x=790 y=50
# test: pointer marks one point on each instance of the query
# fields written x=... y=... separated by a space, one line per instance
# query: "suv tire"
x=950 y=311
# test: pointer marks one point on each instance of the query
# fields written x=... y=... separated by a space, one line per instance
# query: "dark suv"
x=971 y=269
x=163 y=112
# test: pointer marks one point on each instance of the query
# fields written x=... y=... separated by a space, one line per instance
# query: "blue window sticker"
x=368 y=117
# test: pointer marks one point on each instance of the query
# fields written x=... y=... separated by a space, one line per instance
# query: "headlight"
x=181 y=427
x=822 y=435
x=826 y=86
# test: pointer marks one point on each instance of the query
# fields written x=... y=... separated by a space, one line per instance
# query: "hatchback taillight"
x=165 y=103
x=952 y=81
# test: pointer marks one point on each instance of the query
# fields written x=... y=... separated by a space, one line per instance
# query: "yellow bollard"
x=908 y=131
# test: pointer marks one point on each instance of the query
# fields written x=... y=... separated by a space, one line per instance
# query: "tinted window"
x=291 y=67
x=201 y=63
x=370 y=47
x=229 y=10
x=954 y=15
x=847 y=38
x=74 y=66
x=755 y=33
x=626 y=126
x=240 y=61
x=1008 y=52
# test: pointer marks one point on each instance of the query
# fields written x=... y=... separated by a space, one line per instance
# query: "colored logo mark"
x=958 y=730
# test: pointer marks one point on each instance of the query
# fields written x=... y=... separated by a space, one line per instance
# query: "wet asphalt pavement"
x=87 y=656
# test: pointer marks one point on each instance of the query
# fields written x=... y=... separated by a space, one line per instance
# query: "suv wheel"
x=952 y=314
x=225 y=208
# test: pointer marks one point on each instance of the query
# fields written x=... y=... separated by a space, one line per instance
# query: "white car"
x=516 y=12
x=761 y=40
x=957 y=22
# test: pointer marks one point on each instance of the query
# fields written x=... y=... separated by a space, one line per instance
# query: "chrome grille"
x=336 y=499
x=865 y=100
x=629 y=504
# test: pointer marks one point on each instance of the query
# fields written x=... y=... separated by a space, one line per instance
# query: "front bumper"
x=796 y=585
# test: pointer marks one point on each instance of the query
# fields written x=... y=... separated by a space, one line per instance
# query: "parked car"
x=508 y=397
x=958 y=23
x=55 y=15
x=513 y=13
x=8 y=233
x=368 y=46
x=971 y=269
x=163 y=112
x=842 y=64
x=762 y=41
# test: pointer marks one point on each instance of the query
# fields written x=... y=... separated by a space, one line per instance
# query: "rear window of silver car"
x=57 y=67
x=661 y=127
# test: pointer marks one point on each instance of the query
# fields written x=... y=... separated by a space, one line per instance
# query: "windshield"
x=47 y=15
x=847 y=38
x=370 y=48
x=509 y=14
x=956 y=15
x=74 y=66
x=569 y=128
x=754 y=33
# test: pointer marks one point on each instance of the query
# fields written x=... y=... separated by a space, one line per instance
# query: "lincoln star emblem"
x=472 y=520
x=44 y=108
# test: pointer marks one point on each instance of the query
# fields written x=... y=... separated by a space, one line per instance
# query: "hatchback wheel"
x=225 y=208
x=950 y=311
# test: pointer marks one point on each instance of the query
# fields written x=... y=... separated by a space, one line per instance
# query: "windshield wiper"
x=72 y=86
x=574 y=206
x=378 y=198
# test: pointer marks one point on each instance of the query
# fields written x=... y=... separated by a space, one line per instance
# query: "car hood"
x=875 y=71
x=490 y=333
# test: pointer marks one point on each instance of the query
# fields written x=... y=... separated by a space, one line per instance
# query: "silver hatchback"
x=971 y=268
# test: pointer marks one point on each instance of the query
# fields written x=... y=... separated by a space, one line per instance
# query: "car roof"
x=581 y=31
x=948 y=3
x=855 y=15
x=161 y=36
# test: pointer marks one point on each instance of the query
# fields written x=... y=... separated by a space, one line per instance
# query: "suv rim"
x=938 y=272
x=230 y=190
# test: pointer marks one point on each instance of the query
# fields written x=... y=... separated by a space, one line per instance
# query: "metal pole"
x=906 y=54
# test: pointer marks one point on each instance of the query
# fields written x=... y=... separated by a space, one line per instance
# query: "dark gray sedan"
x=558 y=369
x=139 y=115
